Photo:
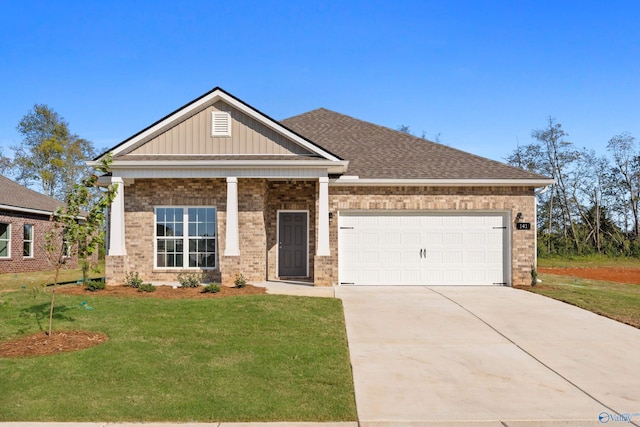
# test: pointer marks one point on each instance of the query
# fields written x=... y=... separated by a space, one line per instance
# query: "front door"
x=292 y=244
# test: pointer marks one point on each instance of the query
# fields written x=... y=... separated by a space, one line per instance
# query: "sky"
x=475 y=75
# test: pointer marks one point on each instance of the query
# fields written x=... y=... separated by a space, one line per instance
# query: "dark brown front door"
x=292 y=244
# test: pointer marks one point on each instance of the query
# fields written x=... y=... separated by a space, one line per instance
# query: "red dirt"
x=611 y=274
x=41 y=344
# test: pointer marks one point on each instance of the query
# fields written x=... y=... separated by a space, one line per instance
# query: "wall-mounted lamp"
x=519 y=217
x=330 y=217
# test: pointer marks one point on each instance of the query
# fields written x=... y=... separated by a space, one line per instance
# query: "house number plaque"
x=523 y=226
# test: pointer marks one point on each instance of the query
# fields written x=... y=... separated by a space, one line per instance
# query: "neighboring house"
x=25 y=218
x=218 y=186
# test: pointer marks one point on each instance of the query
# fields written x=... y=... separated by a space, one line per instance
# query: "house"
x=220 y=187
x=25 y=218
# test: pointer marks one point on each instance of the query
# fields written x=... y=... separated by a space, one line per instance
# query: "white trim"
x=278 y=239
x=32 y=241
x=7 y=240
x=322 y=241
x=117 y=240
x=211 y=98
x=25 y=210
x=442 y=182
x=185 y=238
x=232 y=238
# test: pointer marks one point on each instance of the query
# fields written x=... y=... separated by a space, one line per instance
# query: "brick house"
x=220 y=187
x=25 y=218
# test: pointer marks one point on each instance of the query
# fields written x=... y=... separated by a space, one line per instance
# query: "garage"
x=423 y=248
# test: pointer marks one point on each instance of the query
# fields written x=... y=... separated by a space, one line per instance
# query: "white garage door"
x=423 y=249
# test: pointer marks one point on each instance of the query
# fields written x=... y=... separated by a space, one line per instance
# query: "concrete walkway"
x=457 y=356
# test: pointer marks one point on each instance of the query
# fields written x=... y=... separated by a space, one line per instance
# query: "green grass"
x=250 y=358
x=14 y=281
x=617 y=301
x=588 y=261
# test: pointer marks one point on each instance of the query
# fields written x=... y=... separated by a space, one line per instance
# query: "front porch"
x=251 y=237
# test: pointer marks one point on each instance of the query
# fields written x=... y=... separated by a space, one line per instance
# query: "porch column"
x=323 y=217
x=116 y=230
x=232 y=246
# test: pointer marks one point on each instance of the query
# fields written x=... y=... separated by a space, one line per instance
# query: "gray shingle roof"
x=378 y=152
x=15 y=195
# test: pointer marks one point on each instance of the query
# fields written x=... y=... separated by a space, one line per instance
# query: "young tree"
x=78 y=227
x=49 y=153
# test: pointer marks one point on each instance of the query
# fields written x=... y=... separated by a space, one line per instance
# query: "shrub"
x=190 y=280
x=146 y=287
x=211 y=288
x=95 y=285
x=534 y=276
x=240 y=281
x=132 y=280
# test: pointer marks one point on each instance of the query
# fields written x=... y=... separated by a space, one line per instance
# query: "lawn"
x=617 y=301
x=246 y=358
x=588 y=261
x=14 y=281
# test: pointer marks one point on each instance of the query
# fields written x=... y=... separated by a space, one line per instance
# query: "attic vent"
x=220 y=123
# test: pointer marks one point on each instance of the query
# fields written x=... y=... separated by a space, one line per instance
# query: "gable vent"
x=220 y=123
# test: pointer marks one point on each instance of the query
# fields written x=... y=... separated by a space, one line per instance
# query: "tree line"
x=594 y=205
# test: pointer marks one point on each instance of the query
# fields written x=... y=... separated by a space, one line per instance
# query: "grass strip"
x=617 y=301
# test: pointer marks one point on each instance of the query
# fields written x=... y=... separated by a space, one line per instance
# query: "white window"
x=27 y=241
x=186 y=237
x=5 y=240
x=220 y=123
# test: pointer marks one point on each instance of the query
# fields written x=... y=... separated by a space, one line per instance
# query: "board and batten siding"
x=193 y=136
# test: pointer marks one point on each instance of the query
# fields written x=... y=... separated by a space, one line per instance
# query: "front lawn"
x=248 y=358
x=14 y=281
x=617 y=301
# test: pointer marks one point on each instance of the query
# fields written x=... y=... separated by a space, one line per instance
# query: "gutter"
x=354 y=180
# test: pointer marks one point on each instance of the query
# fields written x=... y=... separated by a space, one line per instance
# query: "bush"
x=211 y=288
x=534 y=276
x=240 y=281
x=190 y=280
x=95 y=285
x=132 y=280
x=146 y=287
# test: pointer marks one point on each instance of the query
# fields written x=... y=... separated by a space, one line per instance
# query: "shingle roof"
x=378 y=152
x=15 y=195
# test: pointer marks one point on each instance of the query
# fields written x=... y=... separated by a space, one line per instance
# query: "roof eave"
x=355 y=181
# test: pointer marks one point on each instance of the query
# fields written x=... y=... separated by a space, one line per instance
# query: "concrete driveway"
x=489 y=356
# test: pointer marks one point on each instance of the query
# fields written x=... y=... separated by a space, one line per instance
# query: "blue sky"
x=481 y=74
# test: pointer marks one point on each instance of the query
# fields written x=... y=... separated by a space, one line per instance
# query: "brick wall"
x=17 y=263
x=513 y=199
x=260 y=200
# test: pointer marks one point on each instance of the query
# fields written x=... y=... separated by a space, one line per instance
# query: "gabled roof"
x=14 y=196
x=377 y=152
x=198 y=104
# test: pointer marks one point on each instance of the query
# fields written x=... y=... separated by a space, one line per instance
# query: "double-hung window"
x=27 y=241
x=5 y=240
x=186 y=237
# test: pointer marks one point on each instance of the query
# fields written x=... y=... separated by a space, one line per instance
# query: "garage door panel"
x=422 y=249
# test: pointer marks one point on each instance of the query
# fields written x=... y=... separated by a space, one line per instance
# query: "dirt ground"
x=620 y=275
x=41 y=344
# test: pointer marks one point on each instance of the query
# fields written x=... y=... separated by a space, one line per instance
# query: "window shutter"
x=220 y=123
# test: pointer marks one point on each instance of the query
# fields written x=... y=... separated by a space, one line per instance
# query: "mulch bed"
x=41 y=344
